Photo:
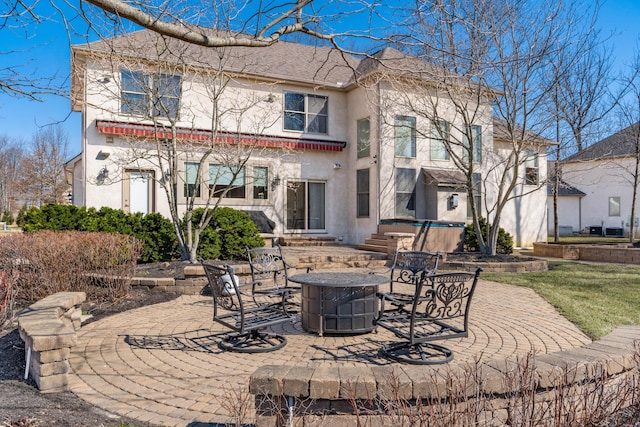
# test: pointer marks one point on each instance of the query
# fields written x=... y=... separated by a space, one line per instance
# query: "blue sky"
x=44 y=50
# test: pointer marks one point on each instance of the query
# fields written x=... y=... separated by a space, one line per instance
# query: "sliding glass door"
x=305 y=205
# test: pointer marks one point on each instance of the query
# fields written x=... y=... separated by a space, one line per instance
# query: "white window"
x=531 y=168
x=405 y=192
x=363 y=140
x=614 y=206
x=405 y=136
x=150 y=95
x=260 y=182
x=362 y=189
x=229 y=178
x=191 y=186
x=475 y=145
x=439 y=140
x=306 y=113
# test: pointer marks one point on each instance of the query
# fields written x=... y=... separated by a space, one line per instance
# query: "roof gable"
x=620 y=144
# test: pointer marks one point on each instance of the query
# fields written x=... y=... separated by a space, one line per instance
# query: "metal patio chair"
x=270 y=273
x=248 y=317
x=439 y=311
x=405 y=272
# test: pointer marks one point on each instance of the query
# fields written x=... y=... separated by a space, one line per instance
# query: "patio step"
x=334 y=258
x=308 y=241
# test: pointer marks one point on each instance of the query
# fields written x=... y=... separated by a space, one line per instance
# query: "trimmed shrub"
x=236 y=230
x=154 y=230
x=47 y=262
x=159 y=238
x=227 y=234
x=504 y=244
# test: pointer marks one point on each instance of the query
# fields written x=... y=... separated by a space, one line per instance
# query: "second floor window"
x=150 y=95
x=439 y=139
x=531 y=168
x=405 y=136
x=306 y=113
x=363 y=140
x=476 y=144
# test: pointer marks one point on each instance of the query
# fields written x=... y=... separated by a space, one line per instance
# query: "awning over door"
x=444 y=178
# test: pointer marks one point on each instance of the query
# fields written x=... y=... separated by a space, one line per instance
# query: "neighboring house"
x=328 y=159
x=569 y=206
x=604 y=171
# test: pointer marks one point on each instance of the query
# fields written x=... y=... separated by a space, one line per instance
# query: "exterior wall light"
x=275 y=182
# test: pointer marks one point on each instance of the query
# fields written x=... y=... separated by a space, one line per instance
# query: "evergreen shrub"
x=504 y=244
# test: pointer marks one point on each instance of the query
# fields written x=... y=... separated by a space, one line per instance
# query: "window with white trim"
x=362 y=190
x=306 y=112
x=191 y=186
x=260 y=182
x=363 y=139
x=405 y=136
x=531 y=168
x=440 y=131
x=476 y=144
x=150 y=95
x=229 y=178
x=614 y=206
x=405 y=183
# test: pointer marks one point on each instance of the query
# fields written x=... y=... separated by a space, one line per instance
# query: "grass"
x=596 y=298
x=590 y=239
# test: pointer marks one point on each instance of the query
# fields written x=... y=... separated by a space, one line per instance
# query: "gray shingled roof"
x=283 y=60
x=500 y=131
x=564 y=189
x=620 y=144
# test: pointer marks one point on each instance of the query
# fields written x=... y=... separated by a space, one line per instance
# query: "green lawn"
x=597 y=298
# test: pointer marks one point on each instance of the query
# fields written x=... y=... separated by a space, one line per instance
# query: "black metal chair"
x=405 y=272
x=439 y=311
x=239 y=311
x=270 y=273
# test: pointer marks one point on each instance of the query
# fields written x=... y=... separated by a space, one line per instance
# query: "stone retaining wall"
x=496 y=267
x=622 y=254
x=48 y=329
x=329 y=393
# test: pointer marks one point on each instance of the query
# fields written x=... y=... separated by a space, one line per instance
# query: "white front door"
x=138 y=192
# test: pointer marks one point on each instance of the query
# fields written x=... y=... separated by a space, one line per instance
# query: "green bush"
x=236 y=230
x=154 y=230
x=227 y=234
x=504 y=244
x=158 y=237
x=7 y=217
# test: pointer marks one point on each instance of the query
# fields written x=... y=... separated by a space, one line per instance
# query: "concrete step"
x=375 y=242
x=373 y=248
x=308 y=241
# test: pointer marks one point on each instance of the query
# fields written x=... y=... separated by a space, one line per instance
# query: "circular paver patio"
x=161 y=363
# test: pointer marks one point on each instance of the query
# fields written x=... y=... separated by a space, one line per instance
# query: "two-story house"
x=313 y=139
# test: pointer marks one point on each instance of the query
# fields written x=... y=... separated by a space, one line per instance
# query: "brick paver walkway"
x=161 y=363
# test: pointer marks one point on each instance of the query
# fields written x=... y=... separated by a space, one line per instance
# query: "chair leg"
x=417 y=354
x=253 y=342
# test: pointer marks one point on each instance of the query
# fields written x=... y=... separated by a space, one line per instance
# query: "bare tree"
x=11 y=155
x=250 y=24
x=42 y=175
x=490 y=53
x=581 y=98
x=629 y=113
